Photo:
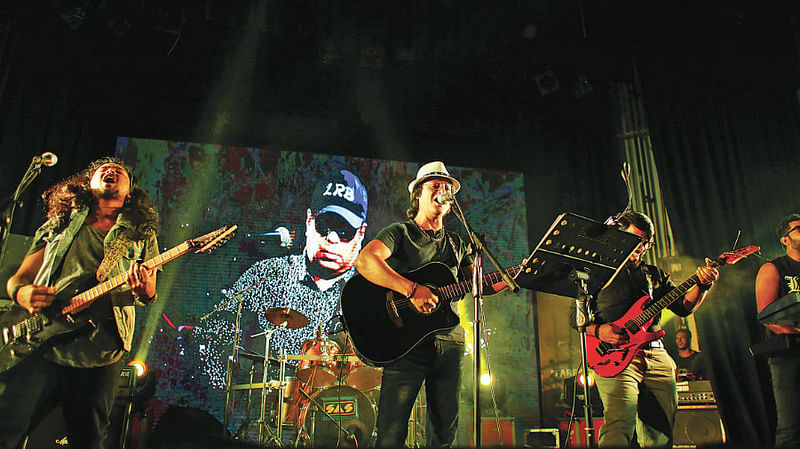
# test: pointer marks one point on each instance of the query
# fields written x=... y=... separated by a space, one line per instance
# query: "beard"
x=107 y=194
x=794 y=243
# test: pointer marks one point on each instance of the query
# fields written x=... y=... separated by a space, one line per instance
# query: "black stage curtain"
x=725 y=122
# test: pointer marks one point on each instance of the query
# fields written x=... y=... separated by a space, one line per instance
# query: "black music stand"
x=577 y=257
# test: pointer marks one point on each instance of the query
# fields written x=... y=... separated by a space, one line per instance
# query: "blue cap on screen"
x=341 y=193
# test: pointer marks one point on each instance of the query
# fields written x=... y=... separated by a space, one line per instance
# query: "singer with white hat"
x=436 y=359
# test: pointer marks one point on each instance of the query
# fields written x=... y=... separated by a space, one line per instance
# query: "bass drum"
x=351 y=409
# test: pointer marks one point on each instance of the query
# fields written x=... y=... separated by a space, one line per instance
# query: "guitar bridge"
x=391 y=309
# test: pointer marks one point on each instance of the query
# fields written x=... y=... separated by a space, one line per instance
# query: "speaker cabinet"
x=698 y=425
x=489 y=435
x=51 y=432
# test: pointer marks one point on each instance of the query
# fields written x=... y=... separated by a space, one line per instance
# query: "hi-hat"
x=292 y=318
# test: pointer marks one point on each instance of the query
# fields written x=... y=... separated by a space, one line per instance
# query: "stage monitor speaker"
x=185 y=425
x=698 y=425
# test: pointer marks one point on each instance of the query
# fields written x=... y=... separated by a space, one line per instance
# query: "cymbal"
x=256 y=357
x=292 y=318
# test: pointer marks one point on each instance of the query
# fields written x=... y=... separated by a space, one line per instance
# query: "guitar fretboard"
x=462 y=288
x=83 y=300
x=653 y=309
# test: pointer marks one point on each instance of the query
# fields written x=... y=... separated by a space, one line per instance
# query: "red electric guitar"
x=608 y=360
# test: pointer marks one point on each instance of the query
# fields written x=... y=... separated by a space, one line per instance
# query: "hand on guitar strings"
x=141 y=280
x=611 y=333
x=424 y=300
x=34 y=298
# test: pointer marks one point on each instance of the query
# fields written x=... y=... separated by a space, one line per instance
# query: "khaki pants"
x=642 y=398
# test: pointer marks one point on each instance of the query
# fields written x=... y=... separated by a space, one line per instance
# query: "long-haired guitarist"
x=777 y=278
x=402 y=247
x=100 y=224
x=643 y=397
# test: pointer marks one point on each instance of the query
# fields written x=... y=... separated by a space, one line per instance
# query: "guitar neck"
x=84 y=300
x=653 y=309
x=462 y=288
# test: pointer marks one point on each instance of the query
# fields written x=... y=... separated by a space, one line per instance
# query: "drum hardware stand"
x=246 y=423
x=268 y=436
x=480 y=249
x=349 y=435
x=232 y=365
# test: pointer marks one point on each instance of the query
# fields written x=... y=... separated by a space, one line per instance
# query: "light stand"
x=480 y=249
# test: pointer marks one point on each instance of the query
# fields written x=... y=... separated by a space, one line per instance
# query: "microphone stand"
x=8 y=212
x=477 y=326
x=584 y=318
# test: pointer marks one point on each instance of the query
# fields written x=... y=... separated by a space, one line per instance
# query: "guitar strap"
x=114 y=254
x=455 y=254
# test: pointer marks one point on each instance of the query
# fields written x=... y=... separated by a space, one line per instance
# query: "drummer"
x=309 y=283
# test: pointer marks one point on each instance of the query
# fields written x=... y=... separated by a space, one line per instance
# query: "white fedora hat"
x=435 y=169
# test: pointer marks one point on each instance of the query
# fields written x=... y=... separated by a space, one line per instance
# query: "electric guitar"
x=23 y=335
x=385 y=326
x=608 y=360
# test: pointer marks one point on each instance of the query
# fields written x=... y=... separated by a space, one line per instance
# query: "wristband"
x=14 y=291
x=413 y=289
x=597 y=330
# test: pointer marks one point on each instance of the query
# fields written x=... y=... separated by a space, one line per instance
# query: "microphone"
x=282 y=236
x=49 y=159
x=445 y=198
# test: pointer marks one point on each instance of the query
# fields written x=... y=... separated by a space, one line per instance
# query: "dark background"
x=450 y=80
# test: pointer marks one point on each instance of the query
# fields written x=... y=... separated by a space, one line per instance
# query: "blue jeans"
x=438 y=363
x=649 y=412
x=33 y=388
x=786 y=386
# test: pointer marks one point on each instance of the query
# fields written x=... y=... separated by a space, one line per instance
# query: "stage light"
x=581 y=380
x=486 y=379
x=141 y=367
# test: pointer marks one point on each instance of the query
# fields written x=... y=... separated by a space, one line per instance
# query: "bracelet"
x=704 y=287
x=14 y=291
x=413 y=289
x=597 y=330
x=146 y=300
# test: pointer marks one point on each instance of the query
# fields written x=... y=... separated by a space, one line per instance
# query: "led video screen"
x=302 y=218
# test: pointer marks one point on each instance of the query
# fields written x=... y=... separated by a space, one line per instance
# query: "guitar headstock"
x=731 y=257
x=213 y=239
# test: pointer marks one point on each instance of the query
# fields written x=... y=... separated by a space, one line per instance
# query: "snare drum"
x=318 y=373
x=351 y=408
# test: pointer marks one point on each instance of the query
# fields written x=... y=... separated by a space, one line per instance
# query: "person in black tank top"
x=776 y=279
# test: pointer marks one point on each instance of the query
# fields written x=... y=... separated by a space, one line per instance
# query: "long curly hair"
x=74 y=193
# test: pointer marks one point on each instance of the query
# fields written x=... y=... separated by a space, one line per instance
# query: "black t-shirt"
x=631 y=284
x=413 y=247
x=695 y=363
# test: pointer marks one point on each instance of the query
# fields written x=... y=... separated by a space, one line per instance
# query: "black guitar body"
x=381 y=322
x=23 y=335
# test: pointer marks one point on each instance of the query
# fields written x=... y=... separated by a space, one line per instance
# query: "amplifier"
x=695 y=392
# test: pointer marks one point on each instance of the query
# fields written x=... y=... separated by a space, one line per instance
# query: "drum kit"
x=330 y=399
